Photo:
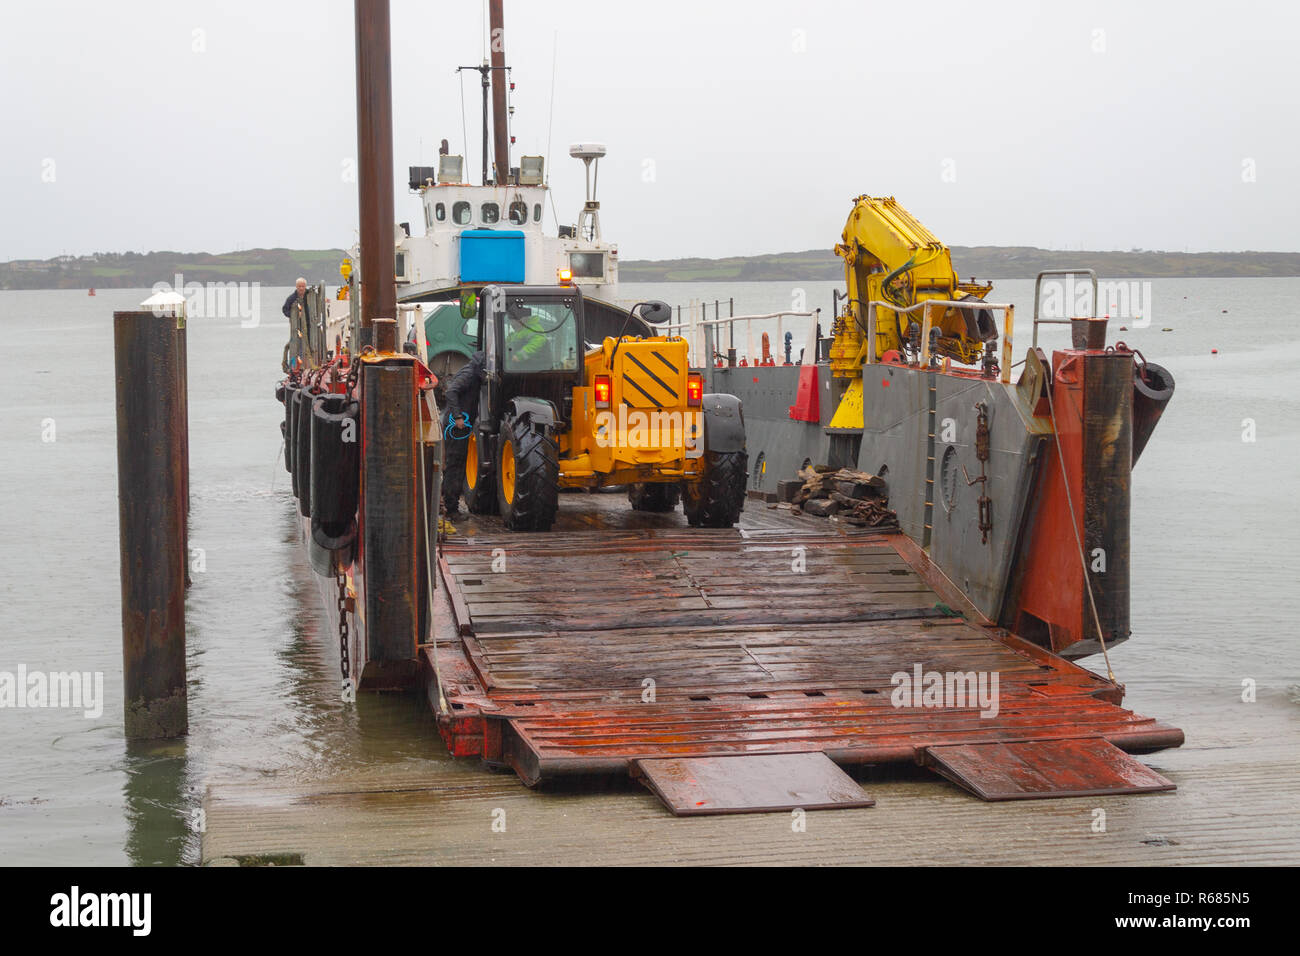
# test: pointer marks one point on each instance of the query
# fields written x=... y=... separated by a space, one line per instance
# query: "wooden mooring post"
x=151 y=487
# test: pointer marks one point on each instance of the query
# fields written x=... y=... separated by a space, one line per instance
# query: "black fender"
x=724 y=423
x=539 y=411
x=329 y=554
x=1153 y=387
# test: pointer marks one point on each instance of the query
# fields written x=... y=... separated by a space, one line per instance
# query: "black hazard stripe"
x=651 y=398
x=676 y=370
x=664 y=385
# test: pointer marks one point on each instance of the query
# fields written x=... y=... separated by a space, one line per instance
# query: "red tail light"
x=604 y=391
x=694 y=389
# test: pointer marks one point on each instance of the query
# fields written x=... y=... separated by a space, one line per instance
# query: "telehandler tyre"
x=480 y=480
x=716 y=499
x=528 y=475
x=654 y=496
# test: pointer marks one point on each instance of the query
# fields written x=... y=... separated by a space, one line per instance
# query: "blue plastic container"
x=491 y=255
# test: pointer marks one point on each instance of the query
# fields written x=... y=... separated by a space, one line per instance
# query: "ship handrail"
x=1038 y=285
x=926 y=306
x=749 y=320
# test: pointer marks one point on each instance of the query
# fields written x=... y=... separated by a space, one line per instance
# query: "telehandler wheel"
x=716 y=499
x=480 y=481
x=528 y=476
x=654 y=496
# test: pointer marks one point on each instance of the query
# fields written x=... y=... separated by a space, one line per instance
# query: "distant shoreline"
x=985 y=262
x=280 y=267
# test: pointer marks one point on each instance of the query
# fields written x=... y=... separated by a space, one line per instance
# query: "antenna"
x=589 y=220
x=464 y=127
x=550 y=122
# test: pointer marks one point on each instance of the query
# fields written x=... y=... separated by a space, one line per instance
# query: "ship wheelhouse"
x=493 y=233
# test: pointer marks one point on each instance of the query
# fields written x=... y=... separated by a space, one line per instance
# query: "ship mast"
x=495 y=119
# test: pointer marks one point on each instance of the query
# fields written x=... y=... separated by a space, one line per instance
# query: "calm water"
x=1216 y=543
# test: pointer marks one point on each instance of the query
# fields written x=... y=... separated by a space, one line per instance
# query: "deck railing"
x=927 y=308
x=1038 y=285
x=709 y=342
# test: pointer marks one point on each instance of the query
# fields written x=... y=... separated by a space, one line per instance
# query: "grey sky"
x=995 y=123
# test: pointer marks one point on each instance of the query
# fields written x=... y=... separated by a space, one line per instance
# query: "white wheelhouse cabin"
x=475 y=235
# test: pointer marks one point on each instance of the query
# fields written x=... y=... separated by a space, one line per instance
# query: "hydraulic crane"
x=892 y=259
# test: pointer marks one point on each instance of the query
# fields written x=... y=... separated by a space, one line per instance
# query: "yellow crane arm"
x=889 y=256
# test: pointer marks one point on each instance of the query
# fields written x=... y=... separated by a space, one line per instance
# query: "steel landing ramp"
x=604 y=652
x=757 y=783
x=1037 y=769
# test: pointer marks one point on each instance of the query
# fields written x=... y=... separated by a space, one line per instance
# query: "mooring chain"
x=345 y=662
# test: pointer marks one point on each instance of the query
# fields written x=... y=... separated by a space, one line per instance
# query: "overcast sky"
x=733 y=128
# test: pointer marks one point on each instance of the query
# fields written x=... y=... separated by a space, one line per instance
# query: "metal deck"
x=585 y=651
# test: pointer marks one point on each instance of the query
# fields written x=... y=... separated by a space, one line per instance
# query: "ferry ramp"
x=623 y=642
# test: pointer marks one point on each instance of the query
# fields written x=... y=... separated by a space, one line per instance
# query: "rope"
x=1078 y=539
x=451 y=423
x=428 y=557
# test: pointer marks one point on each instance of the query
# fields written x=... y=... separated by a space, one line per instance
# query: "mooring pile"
x=856 y=497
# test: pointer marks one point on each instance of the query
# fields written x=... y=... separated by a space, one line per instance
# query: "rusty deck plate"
x=761 y=783
x=1033 y=769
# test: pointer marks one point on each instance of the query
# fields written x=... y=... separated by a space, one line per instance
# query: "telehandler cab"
x=557 y=411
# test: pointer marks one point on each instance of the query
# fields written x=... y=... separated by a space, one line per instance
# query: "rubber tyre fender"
x=302 y=449
x=335 y=472
x=286 y=429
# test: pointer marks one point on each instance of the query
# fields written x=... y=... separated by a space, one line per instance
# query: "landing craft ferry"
x=732 y=660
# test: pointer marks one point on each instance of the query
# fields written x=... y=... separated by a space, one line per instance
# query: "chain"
x=354 y=367
x=345 y=663
x=982 y=453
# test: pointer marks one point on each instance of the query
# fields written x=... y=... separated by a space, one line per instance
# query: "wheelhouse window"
x=460 y=213
x=537 y=212
x=519 y=212
x=540 y=335
x=489 y=212
x=440 y=212
x=587 y=265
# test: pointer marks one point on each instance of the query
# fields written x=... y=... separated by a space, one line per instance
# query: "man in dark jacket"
x=298 y=313
x=297 y=297
x=460 y=411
